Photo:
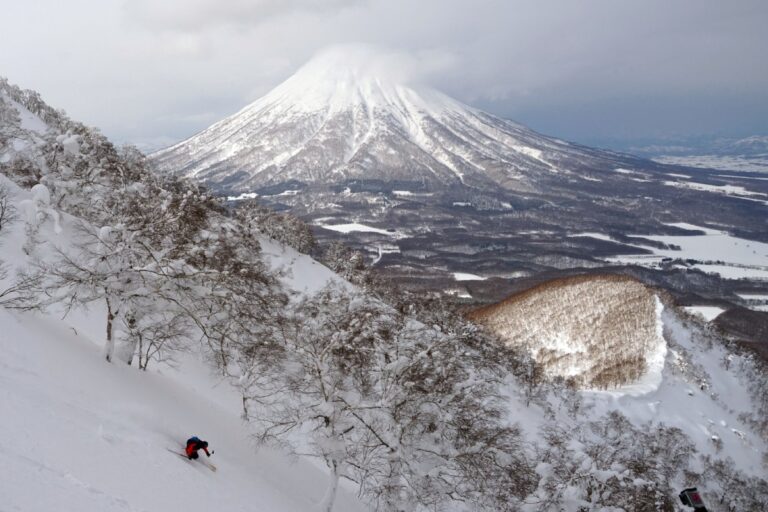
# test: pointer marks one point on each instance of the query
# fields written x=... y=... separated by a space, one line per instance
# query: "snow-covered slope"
x=79 y=434
x=342 y=117
x=82 y=435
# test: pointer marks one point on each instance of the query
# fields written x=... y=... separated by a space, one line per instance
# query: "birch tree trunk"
x=330 y=494
x=109 y=348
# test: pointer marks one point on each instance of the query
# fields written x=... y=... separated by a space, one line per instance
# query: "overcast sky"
x=156 y=71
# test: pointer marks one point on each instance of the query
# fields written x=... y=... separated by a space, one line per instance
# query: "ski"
x=203 y=462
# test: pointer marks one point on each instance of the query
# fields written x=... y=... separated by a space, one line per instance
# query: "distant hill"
x=599 y=331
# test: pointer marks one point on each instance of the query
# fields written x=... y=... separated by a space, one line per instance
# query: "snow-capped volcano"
x=344 y=116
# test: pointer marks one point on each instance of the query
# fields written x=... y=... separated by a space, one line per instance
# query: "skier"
x=193 y=445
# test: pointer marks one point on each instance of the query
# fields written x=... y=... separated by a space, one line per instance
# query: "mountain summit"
x=350 y=77
x=347 y=115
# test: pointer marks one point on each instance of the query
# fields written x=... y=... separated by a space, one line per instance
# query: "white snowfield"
x=708 y=313
x=737 y=257
x=356 y=226
x=731 y=163
x=83 y=435
x=464 y=276
x=729 y=190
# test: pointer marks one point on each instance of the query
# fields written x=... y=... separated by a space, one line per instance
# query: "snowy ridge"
x=339 y=117
x=85 y=435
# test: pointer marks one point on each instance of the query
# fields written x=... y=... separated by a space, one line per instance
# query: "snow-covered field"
x=408 y=193
x=722 y=253
x=728 y=190
x=596 y=236
x=709 y=313
x=754 y=296
x=731 y=163
x=463 y=276
x=755 y=301
x=243 y=196
x=356 y=226
x=734 y=272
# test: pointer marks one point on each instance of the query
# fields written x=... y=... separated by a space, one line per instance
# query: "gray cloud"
x=194 y=15
x=151 y=71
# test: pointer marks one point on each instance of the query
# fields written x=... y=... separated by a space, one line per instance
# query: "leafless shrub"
x=282 y=227
x=7 y=210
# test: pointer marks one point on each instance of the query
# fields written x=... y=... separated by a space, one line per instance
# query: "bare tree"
x=154 y=334
x=609 y=461
x=347 y=263
x=282 y=227
x=11 y=294
x=7 y=209
x=102 y=267
x=10 y=123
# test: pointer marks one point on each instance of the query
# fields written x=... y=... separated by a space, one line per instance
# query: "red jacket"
x=194 y=444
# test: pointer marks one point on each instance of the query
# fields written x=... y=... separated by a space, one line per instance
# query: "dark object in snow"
x=692 y=498
x=193 y=445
